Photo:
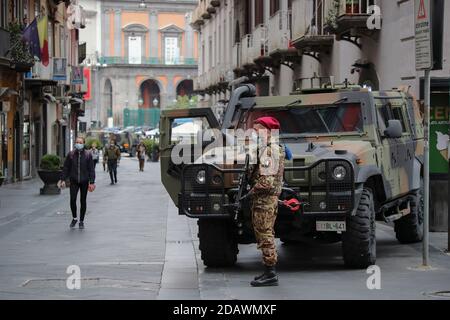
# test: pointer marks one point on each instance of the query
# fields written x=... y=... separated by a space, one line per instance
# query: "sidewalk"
x=21 y=202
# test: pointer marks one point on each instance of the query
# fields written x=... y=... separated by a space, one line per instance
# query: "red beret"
x=269 y=122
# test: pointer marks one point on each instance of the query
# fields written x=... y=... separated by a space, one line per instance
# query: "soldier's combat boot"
x=268 y=278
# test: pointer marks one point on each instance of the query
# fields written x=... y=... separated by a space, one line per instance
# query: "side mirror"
x=394 y=129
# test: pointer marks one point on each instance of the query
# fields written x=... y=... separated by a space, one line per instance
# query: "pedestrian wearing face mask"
x=112 y=154
x=79 y=169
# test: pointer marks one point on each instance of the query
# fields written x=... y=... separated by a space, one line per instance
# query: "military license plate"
x=338 y=226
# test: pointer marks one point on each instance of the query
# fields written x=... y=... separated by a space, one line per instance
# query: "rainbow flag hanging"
x=43 y=40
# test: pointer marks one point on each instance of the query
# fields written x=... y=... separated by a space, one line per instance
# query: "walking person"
x=105 y=167
x=79 y=169
x=95 y=154
x=113 y=156
x=141 y=152
x=266 y=180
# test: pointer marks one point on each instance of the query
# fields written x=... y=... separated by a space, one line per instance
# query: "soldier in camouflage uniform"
x=266 y=179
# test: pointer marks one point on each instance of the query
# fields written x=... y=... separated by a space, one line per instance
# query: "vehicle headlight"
x=201 y=177
x=339 y=173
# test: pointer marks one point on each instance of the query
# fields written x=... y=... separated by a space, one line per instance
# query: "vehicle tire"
x=218 y=244
x=409 y=229
x=359 y=242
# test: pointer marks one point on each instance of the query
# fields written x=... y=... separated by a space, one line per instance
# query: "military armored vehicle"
x=357 y=158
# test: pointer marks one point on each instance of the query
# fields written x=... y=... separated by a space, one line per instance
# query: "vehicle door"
x=181 y=129
x=387 y=150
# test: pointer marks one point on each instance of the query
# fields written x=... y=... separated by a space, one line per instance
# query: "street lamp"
x=140 y=102
x=155 y=102
x=142 y=5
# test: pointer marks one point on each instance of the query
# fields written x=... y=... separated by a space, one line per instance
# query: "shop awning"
x=40 y=82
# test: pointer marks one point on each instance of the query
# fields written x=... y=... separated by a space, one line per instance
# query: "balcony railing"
x=237 y=56
x=348 y=19
x=148 y=61
x=259 y=43
x=350 y=7
x=247 y=49
x=279 y=31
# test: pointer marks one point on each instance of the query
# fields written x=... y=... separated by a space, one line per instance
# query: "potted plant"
x=332 y=16
x=50 y=173
x=155 y=152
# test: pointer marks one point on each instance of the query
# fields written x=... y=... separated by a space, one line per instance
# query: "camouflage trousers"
x=264 y=214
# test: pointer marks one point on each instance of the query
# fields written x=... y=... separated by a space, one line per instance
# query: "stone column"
x=154 y=41
x=189 y=38
x=117 y=32
x=105 y=32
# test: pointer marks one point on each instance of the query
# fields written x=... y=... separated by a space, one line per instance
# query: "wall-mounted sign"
x=424 y=52
x=87 y=76
x=77 y=75
x=60 y=69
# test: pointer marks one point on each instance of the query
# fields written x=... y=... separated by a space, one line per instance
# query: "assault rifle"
x=242 y=191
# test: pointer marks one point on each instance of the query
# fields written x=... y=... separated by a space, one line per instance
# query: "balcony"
x=215 y=3
x=236 y=62
x=13 y=51
x=348 y=19
x=200 y=14
x=279 y=31
x=310 y=35
x=260 y=49
x=250 y=50
x=280 y=46
x=152 y=61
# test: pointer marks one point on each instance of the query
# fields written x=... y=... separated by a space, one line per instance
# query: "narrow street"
x=135 y=246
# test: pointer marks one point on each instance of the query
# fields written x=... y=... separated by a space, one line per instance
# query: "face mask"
x=79 y=146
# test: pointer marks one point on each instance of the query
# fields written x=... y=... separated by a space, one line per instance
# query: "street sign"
x=424 y=53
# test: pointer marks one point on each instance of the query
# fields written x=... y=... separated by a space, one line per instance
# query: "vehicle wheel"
x=218 y=244
x=359 y=242
x=409 y=229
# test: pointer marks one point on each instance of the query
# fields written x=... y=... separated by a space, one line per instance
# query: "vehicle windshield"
x=324 y=119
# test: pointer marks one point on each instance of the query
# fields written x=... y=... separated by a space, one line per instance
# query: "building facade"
x=141 y=55
x=279 y=44
x=40 y=104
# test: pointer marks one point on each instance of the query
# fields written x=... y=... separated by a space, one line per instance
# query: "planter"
x=155 y=156
x=50 y=179
x=1 y=180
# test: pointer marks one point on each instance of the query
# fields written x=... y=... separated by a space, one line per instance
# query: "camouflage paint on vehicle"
x=393 y=163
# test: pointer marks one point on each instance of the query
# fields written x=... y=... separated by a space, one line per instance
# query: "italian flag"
x=43 y=39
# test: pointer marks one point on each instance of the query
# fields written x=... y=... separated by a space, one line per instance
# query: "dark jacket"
x=112 y=153
x=79 y=167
